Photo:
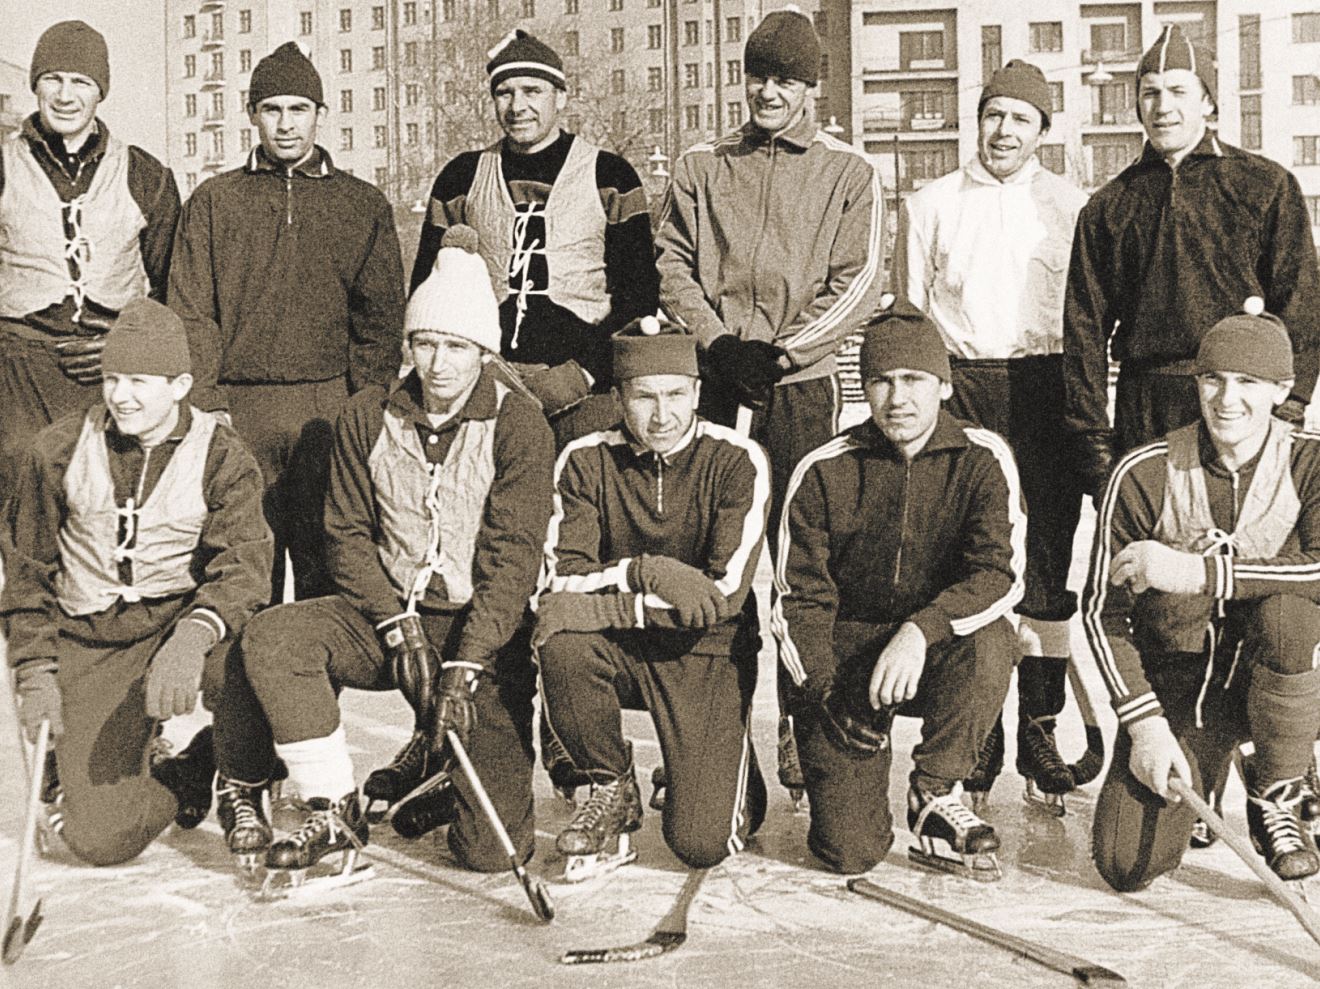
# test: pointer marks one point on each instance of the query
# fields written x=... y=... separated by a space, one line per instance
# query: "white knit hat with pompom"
x=456 y=297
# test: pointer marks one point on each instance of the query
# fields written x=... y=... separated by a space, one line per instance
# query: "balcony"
x=1117 y=119
x=213 y=119
x=212 y=6
x=895 y=121
x=213 y=162
x=1110 y=56
x=213 y=40
x=924 y=68
x=214 y=80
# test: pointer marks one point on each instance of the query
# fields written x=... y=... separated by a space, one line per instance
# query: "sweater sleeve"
x=806 y=602
x=157 y=195
x=192 y=295
x=375 y=306
x=681 y=295
x=1089 y=314
x=448 y=206
x=631 y=279
x=572 y=547
x=1292 y=280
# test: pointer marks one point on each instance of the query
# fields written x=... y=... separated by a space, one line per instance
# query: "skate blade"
x=1050 y=803
x=580 y=868
x=289 y=884
x=982 y=867
x=377 y=811
x=567 y=795
x=250 y=866
x=798 y=799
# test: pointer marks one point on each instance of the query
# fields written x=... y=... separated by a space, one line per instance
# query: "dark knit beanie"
x=520 y=54
x=147 y=338
x=1172 y=50
x=285 y=72
x=72 y=46
x=651 y=346
x=1251 y=342
x=784 y=44
x=1021 y=81
x=903 y=337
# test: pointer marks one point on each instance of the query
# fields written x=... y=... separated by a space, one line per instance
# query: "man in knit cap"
x=984 y=250
x=770 y=251
x=1201 y=609
x=893 y=596
x=440 y=491
x=565 y=232
x=1169 y=246
x=654 y=542
x=138 y=553
x=287 y=274
x=86 y=224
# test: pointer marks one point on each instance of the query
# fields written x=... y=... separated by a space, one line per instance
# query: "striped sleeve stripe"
x=1138 y=707
x=735 y=843
x=1223 y=577
x=1017 y=520
x=788 y=651
x=1098 y=576
x=753 y=533
x=549 y=579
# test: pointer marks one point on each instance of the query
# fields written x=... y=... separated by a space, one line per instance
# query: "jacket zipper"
x=902 y=528
x=288 y=197
x=660 y=484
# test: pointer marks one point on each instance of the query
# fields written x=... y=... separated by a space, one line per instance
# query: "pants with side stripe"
x=701 y=708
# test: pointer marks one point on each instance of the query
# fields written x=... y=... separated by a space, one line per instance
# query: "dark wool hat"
x=1251 y=342
x=652 y=346
x=784 y=44
x=147 y=338
x=521 y=54
x=903 y=337
x=1021 y=81
x=1172 y=50
x=285 y=72
x=72 y=46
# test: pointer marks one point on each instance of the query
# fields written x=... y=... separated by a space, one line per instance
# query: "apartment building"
x=15 y=97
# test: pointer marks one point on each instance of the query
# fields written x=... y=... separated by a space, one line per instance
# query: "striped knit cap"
x=1172 y=50
x=521 y=54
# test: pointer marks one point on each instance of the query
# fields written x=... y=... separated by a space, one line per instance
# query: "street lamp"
x=1100 y=77
x=833 y=127
x=417 y=208
x=657 y=160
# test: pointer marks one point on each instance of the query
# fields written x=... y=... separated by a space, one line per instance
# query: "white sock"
x=319 y=767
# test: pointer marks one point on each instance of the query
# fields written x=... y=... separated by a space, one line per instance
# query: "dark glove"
x=852 y=724
x=175 y=675
x=39 y=698
x=454 y=709
x=571 y=611
x=408 y=658
x=80 y=358
x=558 y=388
x=699 y=603
x=1093 y=461
x=1292 y=410
x=750 y=369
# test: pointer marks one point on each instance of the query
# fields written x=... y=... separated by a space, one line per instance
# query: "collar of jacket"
x=947 y=435
x=405 y=400
x=316 y=165
x=1210 y=456
x=799 y=136
x=1207 y=147
x=642 y=452
x=94 y=147
x=978 y=173
x=120 y=443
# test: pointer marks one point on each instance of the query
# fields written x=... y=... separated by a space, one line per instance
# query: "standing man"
x=1172 y=244
x=287 y=274
x=564 y=229
x=984 y=251
x=770 y=251
x=86 y=224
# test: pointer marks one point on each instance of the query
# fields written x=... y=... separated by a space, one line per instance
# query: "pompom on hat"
x=1250 y=342
x=456 y=297
x=784 y=44
x=522 y=54
x=72 y=46
x=146 y=338
x=650 y=345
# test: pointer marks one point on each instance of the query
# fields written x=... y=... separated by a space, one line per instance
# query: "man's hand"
x=408 y=658
x=696 y=598
x=1148 y=564
x=39 y=700
x=571 y=611
x=852 y=725
x=1156 y=755
x=1291 y=410
x=749 y=368
x=558 y=388
x=1093 y=461
x=175 y=675
x=454 y=708
x=898 y=670
x=80 y=358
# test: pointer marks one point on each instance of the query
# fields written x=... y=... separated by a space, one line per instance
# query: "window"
x=710 y=116
x=733 y=29
x=411 y=94
x=822 y=23
x=616 y=5
x=733 y=72
x=655 y=78
x=217 y=144
x=1107 y=160
x=618 y=82
x=920 y=46
x=410 y=135
x=192 y=181
x=692 y=117
x=616 y=39
x=1108 y=39
x=1249 y=51
x=1046 y=36
x=691 y=33
x=245 y=139
x=1051 y=156
x=493 y=9
x=217 y=66
x=378 y=56
x=409 y=54
x=380 y=135
x=655 y=121
x=245 y=60
x=710 y=31
x=529 y=8
x=245 y=22
x=927 y=164
x=1115 y=103
x=346 y=20
x=824 y=66
x=691 y=75
x=346 y=60
x=654 y=36
x=992 y=50
x=382 y=176
x=1056 y=97
x=1305 y=150
x=305 y=22
x=410 y=13
x=1305 y=28
x=378 y=98
x=190 y=105
x=217 y=106
x=922 y=105
x=189 y=26
x=346 y=101
x=218 y=25
x=190 y=145
x=570 y=42
x=734 y=111
x=619 y=121
x=189 y=66
x=1251 y=122
x=243 y=101
x=570 y=6
x=346 y=139
x=447 y=10
x=1313 y=208
x=378 y=18
x=1306 y=90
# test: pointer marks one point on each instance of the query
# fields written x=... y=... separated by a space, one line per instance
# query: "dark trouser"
x=290 y=430
x=701 y=708
x=1261 y=686
x=959 y=697
x=113 y=808
x=1150 y=404
x=299 y=656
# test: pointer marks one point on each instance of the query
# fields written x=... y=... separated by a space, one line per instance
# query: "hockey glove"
x=408 y=658
x=80 y=358
x=38 y=698
x=176 y=669
x=558 y=388
x=852 y=724
x=454 y=709
x=1150 y=565
x=699 y=603
x=749 y=368
x=1093 y=460
x=1293 y=411
x=571 y=611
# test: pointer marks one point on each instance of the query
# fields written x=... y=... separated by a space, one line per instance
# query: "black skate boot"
x=189 y=776
x=1276 y=830
x=425 y=812
x=330 y=827
x=943 y=817
x=388 y=785
x=1202 y=836
x=989 y=761
x=242 y=813
x=1047 y=776
x=1309 y=810
x=790 y=766
x=659 y=783
x=610 y=815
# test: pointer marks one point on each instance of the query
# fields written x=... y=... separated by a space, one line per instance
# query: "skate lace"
x=952 y=809
x=324 y=822
x=1043 y=751
x=596 y=808
x=240 y=804
x=413 y=751
x=1279 y=806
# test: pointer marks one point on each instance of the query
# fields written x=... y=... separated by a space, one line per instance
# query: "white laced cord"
x=520 y=265
x=77 y=249
x=1279 y=814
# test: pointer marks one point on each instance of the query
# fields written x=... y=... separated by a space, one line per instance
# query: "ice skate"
x=1202 y=836
x=386 y=787
x=329 y=828
x=989 y=761
x=1309 y=810
x=1276 y=830
x=242 y=813
x=50 y=822
x=790 y=767
x=971 y=842
x=423 y=810
x=659 y=781
x=1047 y=776
x=188 y=775
x=610 y=815
x=566 y=780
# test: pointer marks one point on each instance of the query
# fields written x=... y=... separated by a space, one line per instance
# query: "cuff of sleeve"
x=211 y=620
x=639 y=610
x=1219 y=580
x=934 y=625
x=33 y=667
x=1137 y=708
x=624 y=578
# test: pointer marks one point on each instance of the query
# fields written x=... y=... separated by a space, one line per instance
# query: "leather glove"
x=1093 y=461
x=1150 y=565
x=558 y=388
x=852 y=724
x=454 y=709
x=175 y=675
x=80 y=358
x=39 y=698
x=699 y=603
x=749 y=368
x=1291 y=410
x=571 y=611
x=409 y=660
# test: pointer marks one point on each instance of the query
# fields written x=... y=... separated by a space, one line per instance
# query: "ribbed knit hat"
x=146 y=338
x=456 y=297
x=1172 y=50
x=286 y=71
x=72 y=46
x=903 y=337
x=650 y=345
x=1021 y=81
x=784 y=44
x=520 y=54
x=1251 y=342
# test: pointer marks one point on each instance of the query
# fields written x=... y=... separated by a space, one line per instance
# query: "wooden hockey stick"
x=1242 y=848
x=1079 y=968
x=669 y=934
x=18 y=929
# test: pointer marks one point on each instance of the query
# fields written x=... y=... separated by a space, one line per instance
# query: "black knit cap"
x=903 y=337
x=285 y=72
x=72 y=46
x=521 y=54
x=784 y=44
x=1019 y=80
